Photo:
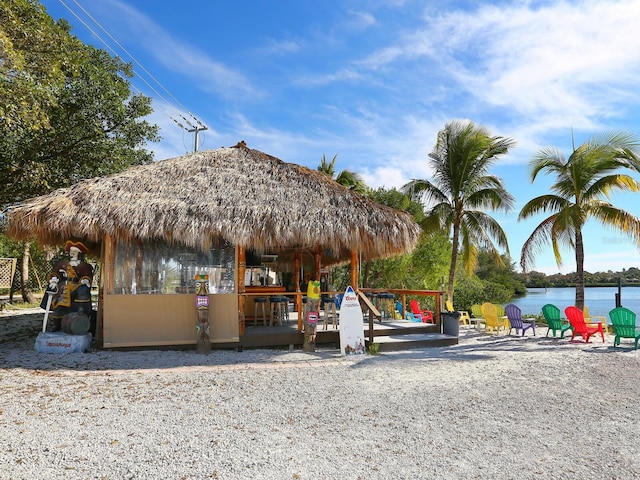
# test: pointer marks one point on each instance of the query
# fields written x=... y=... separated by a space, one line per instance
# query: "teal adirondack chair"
x=624 y=325
x=551 y=314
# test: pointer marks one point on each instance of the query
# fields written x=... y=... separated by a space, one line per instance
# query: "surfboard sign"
x=351 y=325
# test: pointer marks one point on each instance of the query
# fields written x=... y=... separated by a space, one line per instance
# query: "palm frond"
x=617 y=218
x=543 y=203
x=604 y=186
x=534 y=245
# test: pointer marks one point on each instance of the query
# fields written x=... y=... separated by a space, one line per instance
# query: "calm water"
x=600 y=300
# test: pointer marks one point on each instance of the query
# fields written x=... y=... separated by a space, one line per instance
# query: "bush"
x=471 y=290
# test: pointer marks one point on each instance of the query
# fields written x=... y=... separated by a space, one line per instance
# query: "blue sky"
x=373 y=81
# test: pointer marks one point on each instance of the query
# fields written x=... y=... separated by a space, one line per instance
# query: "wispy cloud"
x=176 y=55
x=360 y=20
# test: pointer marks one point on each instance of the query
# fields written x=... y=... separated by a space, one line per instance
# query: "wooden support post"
x=354 y=270
x=242 y=267
x=296 y=282
x=318 y=263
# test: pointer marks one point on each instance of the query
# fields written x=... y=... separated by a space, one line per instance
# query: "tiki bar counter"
x=245 y=223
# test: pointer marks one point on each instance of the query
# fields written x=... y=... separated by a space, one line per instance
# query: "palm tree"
x=346 y=178
x=583 y=184
x=461 y=189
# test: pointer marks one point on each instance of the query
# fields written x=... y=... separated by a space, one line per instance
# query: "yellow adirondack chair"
x=595 y=319
x=492 y=320
x=464 y=316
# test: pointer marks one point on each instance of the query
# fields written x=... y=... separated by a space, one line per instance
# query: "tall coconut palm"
x=347 y=178
x=582 y=188
x=462 y=189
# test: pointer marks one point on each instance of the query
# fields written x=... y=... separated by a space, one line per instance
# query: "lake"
x=600 y=300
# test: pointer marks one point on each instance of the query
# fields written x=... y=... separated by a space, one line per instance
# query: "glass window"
x=162 y=268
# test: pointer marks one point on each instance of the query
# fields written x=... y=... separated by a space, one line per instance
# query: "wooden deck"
x=390 y=335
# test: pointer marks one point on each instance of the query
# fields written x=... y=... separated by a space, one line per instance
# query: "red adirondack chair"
x=580 y=327
x=425 y=315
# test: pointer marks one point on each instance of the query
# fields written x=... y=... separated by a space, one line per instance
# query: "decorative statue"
x=70 y=285
x=202 y=309
x=312 y=310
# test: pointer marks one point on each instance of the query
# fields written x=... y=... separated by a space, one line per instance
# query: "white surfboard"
x=351 y=325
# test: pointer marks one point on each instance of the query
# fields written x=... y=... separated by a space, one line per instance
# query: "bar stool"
x=329 y=305
x=279 y=310
x=259 y=301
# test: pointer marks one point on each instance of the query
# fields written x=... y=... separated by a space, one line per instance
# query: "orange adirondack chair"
x=425 y=315
x=580 y=327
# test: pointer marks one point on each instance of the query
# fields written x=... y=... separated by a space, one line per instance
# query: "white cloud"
x=549 y=61
x=360 y=20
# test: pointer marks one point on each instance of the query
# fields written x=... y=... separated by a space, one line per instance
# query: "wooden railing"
x=403 y=294
x=373 y=310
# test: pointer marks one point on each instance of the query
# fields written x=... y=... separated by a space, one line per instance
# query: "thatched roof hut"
x=236 y=194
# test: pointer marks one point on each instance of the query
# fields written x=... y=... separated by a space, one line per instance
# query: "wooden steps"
x=391 y=343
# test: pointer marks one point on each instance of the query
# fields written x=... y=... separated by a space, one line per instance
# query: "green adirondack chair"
x=477 y=318
x=624 y=325
x=551 y=314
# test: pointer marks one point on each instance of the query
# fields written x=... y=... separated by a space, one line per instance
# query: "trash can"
x=450 y=323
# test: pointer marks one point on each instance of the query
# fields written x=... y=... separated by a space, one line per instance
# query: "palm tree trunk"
x=579 y=270
x=27 y=294
x=454 y=260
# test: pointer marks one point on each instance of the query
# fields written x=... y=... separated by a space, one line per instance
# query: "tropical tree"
x=66 y=110
x=583 y=185
x=346 y=178
x=35 y=53
x=421 y=269
x=462 y=189
x=96 y=127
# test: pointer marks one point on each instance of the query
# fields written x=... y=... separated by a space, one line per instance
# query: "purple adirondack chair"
x=514 y=314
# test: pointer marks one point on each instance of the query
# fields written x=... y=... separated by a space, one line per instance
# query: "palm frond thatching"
x=236 y=194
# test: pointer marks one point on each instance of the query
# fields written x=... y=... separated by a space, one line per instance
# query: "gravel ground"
x=492 y=407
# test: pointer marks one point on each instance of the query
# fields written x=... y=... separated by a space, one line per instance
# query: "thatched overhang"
x=236 y=194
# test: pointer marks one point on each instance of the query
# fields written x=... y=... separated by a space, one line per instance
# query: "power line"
x=111 y=50
x=198 y=127
x=128 y=53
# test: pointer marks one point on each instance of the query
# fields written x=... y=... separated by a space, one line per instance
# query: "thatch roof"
x=236 y=194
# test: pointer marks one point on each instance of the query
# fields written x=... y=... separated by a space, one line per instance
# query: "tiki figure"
x=202 y=309
x=310 y=322
x=70 y=285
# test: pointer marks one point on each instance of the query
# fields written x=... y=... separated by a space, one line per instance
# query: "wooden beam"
x=373 y=311
x=318 y=263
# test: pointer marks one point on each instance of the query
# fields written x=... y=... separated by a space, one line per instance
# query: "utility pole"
x=193 y=127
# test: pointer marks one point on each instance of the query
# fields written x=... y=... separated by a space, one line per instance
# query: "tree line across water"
x=627 y=277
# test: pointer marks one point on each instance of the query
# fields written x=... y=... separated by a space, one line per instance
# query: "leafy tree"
x=537 y=280
x=421 y=269
x=66 y=110
x=346 y=178
x=461 y=189
x=36 y=57
x=583 y=184
x=503 y=273
x=472 y=290
x=95 y=128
